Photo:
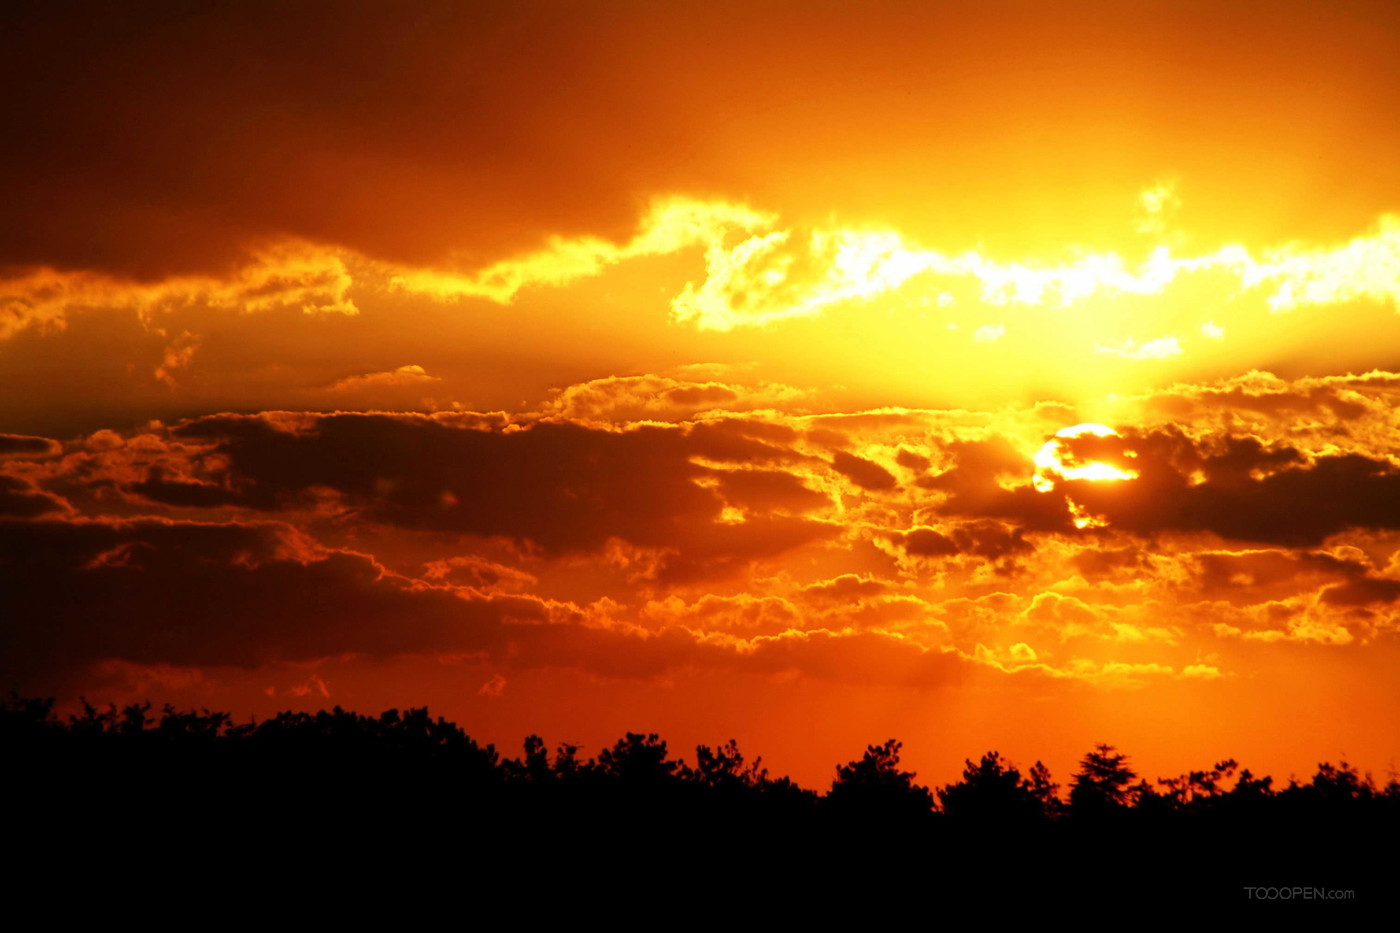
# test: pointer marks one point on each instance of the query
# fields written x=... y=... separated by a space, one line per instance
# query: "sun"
x=1056 y=461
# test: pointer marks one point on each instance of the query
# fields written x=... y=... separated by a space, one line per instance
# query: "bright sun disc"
x=1053 y=461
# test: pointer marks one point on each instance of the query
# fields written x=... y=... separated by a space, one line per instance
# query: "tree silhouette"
x=1044 y=790
x=875 y=783
x=400 y=781
x=638 y=759
x=724 y=768
x=1197 y=789
x=993 y=791
x=1103 y=784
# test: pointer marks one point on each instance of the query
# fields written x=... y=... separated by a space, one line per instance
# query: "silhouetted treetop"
x=1103 y=783
x=638 y=759
x=875 y=782
x=295 y=763
x=993 y=790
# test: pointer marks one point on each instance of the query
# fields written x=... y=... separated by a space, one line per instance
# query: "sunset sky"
x=1012 y=376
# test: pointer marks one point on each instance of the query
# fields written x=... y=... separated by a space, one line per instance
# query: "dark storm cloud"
x=151 y=137
x=22 y=499
x=988 y=539
x=557 y=486
x=766 y=490
x=180 y=493
x=188 y=594
x=1362 y=592
x=864 y=473
x=1242 y=489
x=973 y=487
x=21 y=445
x=185 y=593
x=1237 y=487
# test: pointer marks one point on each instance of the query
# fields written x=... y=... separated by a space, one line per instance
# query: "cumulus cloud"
x=914 y=543
x=290 y=274
x=185 y=593
x=23 y=499
x=20 y=445
x=410 y=375
x=864 y=473
x=666 y=398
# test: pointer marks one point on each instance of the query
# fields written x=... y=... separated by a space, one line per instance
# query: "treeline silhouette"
x=340 y=783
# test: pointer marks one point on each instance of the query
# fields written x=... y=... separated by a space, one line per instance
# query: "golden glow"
x=714 y=363
x=1055 y=462
x=915 y=324
x=670 y=225
x=788 y=273
x=287 y=274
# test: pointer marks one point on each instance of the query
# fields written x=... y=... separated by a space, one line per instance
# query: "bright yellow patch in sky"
x=1054 y=462
x=758 y=275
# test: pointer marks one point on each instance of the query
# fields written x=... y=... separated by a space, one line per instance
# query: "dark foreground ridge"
x=187 y=795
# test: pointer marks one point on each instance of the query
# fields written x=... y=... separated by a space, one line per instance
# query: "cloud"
x=479 y=573
x=656 y=397
x=460 y=129
x=185 y=595
x=1362 y=592
x=768 y=491
x=1158 y=349
x=411 y=376
x=638 y=548
x=790 y=273
x=201 y=594
x=21 y=445
x=554 y=486
x=1157 y=206
x=287 y=274
x=670 y=225
x=987 y=539
x=1242 y=490
x=864 y=473
x=23 y=499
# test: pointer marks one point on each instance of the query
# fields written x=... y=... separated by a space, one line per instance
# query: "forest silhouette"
x=183 y=788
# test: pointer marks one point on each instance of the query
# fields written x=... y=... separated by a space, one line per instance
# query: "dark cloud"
x=180 y=493
x=21 y=445
x=167 y=135
x=844 y=589
x=194 y=594
x=915 y=463
x=974 y=487
x=864 y=473
x=1261 y=569
x=21 y=499
x=191 y=595
x=561 y=486
x=988 y=539
x=1252 y=577
x=1103 y=562
x=653 y=398
x=478 y=572
x=766 y=490
x=1331 y=399
x=555 y=486
x=1362 y=592
x=928 y=542
x=1242 y=489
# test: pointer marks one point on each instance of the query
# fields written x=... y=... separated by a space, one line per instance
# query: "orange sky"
x=713 y=370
